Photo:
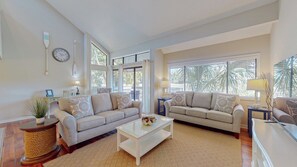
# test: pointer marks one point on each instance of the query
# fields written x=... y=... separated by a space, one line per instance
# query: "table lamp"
x=77 y=84
x=257 y=85
x=165 y=85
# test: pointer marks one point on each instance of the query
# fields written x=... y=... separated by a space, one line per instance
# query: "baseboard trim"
x=16 y=119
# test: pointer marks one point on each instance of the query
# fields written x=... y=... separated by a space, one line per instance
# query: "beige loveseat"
x=199 y=109
x=106 y=118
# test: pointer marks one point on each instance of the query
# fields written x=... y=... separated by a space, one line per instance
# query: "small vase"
x=40 y=120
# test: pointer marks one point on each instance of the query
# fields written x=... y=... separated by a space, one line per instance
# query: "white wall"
x=260 y=44
x=284 y=32
x=22 y=67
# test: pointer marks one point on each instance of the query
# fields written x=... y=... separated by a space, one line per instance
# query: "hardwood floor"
x=14 y=149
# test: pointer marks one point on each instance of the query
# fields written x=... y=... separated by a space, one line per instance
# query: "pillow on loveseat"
x=124 y=101
x=225 y=103
x=78 y=106
x=178 y=99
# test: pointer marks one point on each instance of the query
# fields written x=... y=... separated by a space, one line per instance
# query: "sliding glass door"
x=132 y=82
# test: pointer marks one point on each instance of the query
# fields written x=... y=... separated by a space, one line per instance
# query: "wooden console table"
x=272 y=146
x=40 y=141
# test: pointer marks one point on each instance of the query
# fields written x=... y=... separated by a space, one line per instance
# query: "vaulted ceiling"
x=119 y=24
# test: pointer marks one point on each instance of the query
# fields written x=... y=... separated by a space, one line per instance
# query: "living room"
x=153 y=54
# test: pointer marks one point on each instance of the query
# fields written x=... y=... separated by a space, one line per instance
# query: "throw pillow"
x=225 y=103
x=292 y=107
x=124 y=101
x=79 y=106
x=178 y=99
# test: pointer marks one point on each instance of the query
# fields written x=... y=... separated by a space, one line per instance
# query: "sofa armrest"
x=282 y=116
x=67 y=127
x=167 y=107
x=137 y=104
x=237 y=116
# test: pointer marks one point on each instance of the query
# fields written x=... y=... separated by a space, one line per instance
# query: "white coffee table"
x=142 y=139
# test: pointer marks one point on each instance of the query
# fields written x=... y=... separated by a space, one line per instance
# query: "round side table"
x=40 y=141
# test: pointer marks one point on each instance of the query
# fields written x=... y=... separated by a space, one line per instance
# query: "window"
x=98 y=67
x=238 y=74
x=97 y=56
x=285 y=78
x=131 y=58
x=176 y=79
x=117 y=61
x=230 y=77
x=143 y=56
x=132 y=82
x=98 y=79
x=115 y=80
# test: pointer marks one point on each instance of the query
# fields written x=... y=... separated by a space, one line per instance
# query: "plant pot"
x=40 y=120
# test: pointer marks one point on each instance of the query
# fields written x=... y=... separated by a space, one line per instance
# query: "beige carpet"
x=2 y=134
x=191 y=146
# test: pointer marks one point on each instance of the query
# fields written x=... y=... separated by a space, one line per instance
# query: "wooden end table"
x=40 y=141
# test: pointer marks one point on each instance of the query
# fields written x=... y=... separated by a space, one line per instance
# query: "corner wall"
x=260 y=44
x=284 y=32
x=22 y=68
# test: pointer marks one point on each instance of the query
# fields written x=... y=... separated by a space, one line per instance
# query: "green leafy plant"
x=39 y=107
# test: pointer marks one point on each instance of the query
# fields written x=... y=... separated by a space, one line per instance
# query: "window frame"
x=197 y=62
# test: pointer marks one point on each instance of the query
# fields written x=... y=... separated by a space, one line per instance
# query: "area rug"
x=191 y=146
x=2 y=134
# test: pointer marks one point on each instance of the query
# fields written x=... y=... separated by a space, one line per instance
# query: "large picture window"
x=285 y=78
x=228 y=77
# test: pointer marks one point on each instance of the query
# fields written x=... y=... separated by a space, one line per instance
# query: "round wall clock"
x=61 y=55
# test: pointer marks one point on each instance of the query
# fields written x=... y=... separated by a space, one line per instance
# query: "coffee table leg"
x=137 y=153
x=118 y=141
x=171 y=130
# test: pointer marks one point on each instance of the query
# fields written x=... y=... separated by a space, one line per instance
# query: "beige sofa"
x=199 y=109
x=106 y=118
x=281 y=112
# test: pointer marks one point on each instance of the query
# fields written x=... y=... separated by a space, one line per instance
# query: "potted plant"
x=39 y=109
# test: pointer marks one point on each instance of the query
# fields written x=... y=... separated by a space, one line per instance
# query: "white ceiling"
x=248 y=32
x=124 y=23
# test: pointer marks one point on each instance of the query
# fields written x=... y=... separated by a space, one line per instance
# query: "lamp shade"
x=76 y=83
x=256 y=84
x=164 y=84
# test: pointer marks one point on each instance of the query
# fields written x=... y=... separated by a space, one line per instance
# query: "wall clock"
x=61 y=55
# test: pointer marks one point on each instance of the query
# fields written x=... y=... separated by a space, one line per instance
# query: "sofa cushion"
x=101 y=102
x=113 y=97
x=219 y=116
x=201 y=100
x=124 y=101
x=129 y=112
x=189 y=97
x=197 y=112
x=89 y=122
x=225 y=103
x=78 y=106
x=178 y=99
x=214 y=99
x=112 y=116
x=178 y=109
